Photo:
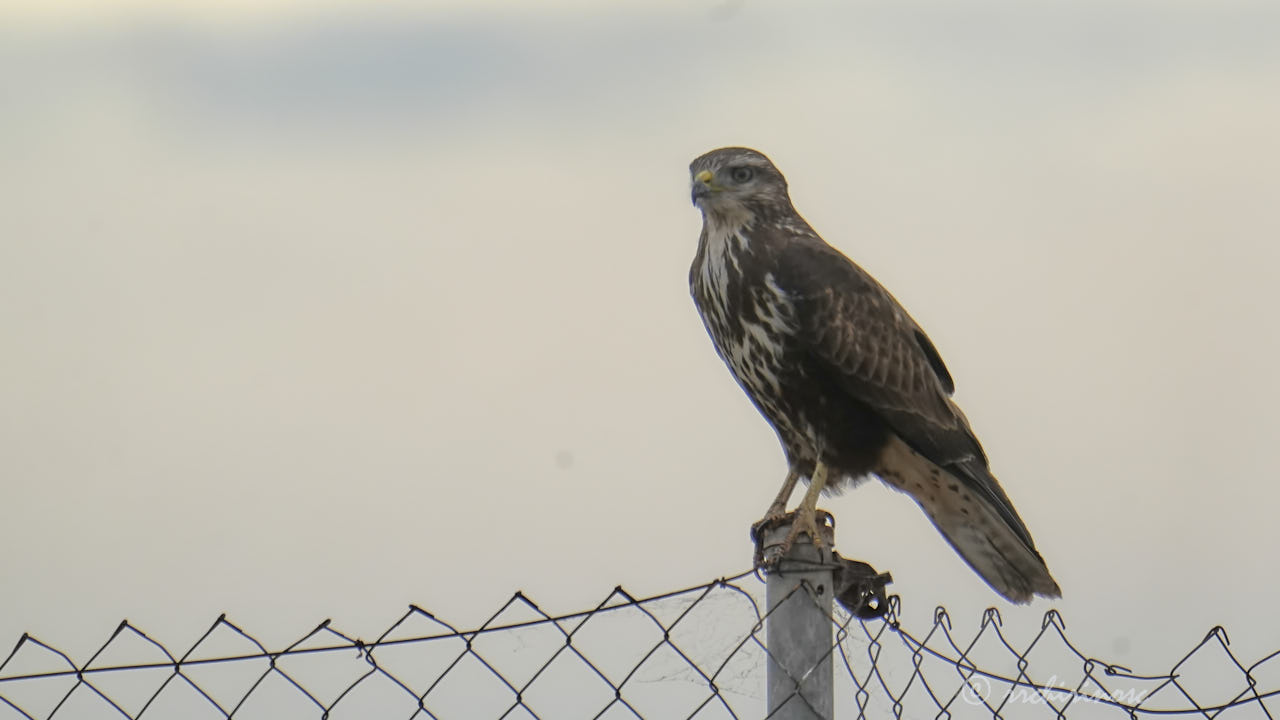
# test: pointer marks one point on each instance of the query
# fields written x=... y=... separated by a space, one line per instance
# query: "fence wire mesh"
x=693 y=653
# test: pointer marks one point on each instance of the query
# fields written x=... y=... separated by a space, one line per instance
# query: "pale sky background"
x=316 y=311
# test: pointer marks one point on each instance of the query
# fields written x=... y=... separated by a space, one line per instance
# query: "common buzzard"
x=850 y=383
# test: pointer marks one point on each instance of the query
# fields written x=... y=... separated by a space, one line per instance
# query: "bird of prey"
x=850 y=383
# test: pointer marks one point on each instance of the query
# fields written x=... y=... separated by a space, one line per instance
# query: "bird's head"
x=736 y=181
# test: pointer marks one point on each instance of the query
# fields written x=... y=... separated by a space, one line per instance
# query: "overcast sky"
x=316 y=312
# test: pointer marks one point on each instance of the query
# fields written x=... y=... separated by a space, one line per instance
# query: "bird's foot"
x=775 y=516
x=806 y=523
x=810 y=523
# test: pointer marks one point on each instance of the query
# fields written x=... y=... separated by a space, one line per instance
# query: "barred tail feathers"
x=980 y=532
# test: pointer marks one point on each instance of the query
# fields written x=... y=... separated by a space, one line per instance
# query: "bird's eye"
x=741 y=174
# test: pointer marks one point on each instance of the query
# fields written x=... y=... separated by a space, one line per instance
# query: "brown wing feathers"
x=884 y=360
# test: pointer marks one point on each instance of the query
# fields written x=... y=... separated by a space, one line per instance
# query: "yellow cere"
x=704 y=176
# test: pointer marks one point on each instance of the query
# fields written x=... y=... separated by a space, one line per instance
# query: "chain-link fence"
x=699 y=652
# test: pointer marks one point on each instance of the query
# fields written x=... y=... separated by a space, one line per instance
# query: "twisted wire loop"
x=699 y=652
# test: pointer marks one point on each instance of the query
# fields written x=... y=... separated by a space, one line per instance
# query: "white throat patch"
x=725 y=244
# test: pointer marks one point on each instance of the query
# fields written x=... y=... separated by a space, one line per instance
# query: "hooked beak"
x=702 y=186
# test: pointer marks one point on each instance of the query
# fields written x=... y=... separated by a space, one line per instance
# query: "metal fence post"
x=798 y=629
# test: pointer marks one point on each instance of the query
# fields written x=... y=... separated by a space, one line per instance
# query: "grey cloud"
x=463 y=68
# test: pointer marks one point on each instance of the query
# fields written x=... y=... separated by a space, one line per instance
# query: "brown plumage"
x=851 y=384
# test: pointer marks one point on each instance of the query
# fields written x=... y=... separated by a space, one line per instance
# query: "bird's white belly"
x=751 y=341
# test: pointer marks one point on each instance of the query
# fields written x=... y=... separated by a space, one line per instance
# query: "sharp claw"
x=801 y=522
x=771 y=519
